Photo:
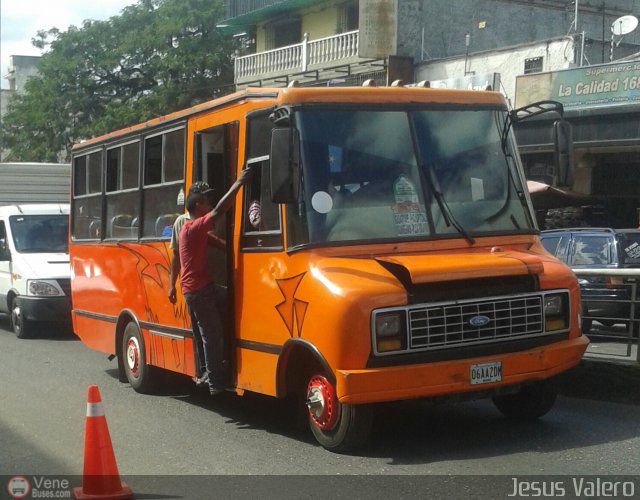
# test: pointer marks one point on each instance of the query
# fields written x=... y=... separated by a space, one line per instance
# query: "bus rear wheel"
x=337 y=427
x=138 y=372
x=531 y=402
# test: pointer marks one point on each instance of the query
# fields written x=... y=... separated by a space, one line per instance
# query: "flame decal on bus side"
x=151 y=264
x=292 y=310
x=153 y=268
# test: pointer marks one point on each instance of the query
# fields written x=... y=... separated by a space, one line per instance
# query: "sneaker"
x=202 y=381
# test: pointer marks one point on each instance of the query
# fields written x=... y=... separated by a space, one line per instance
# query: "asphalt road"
x=175 y=443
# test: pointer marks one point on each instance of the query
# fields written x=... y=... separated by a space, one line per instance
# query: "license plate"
x=484 y=373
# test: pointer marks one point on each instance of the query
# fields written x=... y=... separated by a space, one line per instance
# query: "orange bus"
x=396 y=255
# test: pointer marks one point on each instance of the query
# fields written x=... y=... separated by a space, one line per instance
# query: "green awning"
x=254 y=17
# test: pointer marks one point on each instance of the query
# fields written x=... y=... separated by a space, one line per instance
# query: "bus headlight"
x=390 y=330
x=556 y=311
x=42 y=288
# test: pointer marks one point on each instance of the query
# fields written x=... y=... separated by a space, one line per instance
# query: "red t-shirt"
x=193 y=253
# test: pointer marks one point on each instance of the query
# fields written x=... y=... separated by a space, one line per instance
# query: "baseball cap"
x=200 y=187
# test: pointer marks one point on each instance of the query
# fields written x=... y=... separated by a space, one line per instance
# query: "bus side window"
x=122 y=194
x=163 y=188
x=87 y=196
x=261 y=213
x=261 y=226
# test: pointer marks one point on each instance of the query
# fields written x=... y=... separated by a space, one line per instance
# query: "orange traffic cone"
x=100 y=476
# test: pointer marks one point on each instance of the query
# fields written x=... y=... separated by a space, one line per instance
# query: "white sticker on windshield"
x=477 y=189
x=322 y=202
x=408 y=215
x=633 y=251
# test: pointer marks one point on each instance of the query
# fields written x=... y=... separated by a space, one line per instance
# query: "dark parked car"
x=606 y=297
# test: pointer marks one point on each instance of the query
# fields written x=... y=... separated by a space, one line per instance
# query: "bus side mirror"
x=285 y=165
x=563 y=141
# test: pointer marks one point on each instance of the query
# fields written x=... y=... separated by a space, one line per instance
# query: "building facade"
x=320 y=41
x=467 y=44
x=314 y=42
x=20 y=69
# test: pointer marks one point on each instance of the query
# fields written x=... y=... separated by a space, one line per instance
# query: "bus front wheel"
x=21 y=326
x=337 y=427
x=138 y=372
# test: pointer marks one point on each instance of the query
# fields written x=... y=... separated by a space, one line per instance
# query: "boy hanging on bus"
x=201 y=373
x=204 y=298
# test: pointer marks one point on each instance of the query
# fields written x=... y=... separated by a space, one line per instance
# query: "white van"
x=34 y=265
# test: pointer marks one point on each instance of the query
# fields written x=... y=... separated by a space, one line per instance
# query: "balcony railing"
x=299 y=58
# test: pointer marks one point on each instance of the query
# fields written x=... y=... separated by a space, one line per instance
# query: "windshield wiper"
x=450 y=220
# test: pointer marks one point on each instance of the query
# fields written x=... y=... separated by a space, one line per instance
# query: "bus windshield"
x=40 y=233
x=406 y=175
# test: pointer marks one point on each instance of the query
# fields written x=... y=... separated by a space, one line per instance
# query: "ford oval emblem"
x=479 y=321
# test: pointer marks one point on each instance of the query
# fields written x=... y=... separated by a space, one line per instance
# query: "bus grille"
x=449 y=325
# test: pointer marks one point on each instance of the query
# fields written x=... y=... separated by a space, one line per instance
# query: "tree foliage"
x=156 y=57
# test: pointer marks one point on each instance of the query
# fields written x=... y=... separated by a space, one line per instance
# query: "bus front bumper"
x=453 y=377
x=54 y=309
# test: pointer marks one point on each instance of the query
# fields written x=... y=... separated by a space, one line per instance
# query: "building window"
x=283 y=33
x=348 y=16
x=533 y=65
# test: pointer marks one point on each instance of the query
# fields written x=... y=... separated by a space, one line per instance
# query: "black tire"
x=337 y=427
x=122 y=374
x=586 y=326
x=531 y=402
x=21 y=326
x=139 y=374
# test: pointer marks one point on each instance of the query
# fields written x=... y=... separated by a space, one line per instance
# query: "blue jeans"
x=207 y=306
x=198 y=349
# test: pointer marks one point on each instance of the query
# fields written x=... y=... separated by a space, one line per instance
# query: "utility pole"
x=467 y=39
x=574 y=23
x=604 y=18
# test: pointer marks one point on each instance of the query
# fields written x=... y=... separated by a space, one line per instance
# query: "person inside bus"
x=201 y=378
x=204 y=298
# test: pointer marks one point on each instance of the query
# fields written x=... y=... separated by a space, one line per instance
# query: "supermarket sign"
x=586 y=87
x=489 y=81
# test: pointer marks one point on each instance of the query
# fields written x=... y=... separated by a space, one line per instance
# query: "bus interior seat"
x=95 y=229
x=163 y=222
x=120 y=226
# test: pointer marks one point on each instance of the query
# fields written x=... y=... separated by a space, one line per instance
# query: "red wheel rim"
x=322 y=403
x=133 y=356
